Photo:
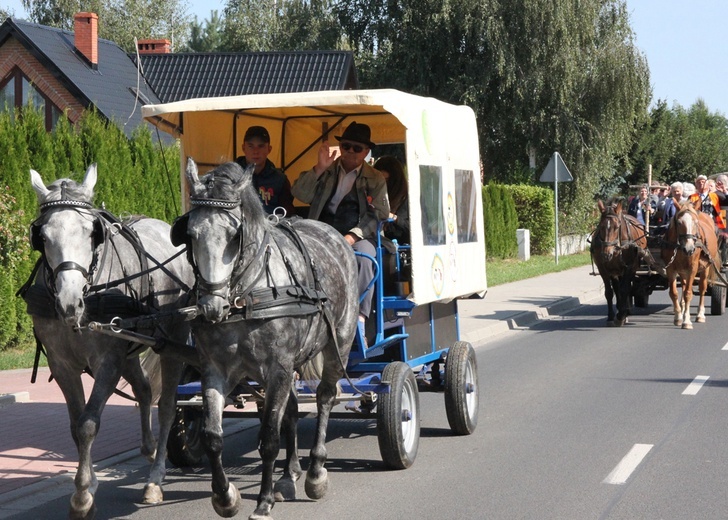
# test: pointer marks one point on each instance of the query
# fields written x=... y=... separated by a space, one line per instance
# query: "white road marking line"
x=725 y=347
x=694 y=387
x=628 y=464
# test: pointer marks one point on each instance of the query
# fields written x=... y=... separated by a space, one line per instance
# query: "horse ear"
x=37 y=182
x=193 y=178
x=89 y=180
x=697 y=203
x=600 y=205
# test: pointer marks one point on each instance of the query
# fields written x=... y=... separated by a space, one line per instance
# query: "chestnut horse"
x=617 y=245
x=690 y=249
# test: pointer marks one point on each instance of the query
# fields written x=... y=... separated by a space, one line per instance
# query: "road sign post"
x=556 y=171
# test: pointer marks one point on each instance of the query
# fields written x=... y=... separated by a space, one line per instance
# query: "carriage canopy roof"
x=440 y=145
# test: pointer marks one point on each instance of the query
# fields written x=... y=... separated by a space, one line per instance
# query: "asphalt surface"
x=37 y=452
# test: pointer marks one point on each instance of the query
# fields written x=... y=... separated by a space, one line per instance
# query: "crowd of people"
x=656 y=205
x=343 y=190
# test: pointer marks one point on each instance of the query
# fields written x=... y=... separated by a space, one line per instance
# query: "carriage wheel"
x=185 y=446
x=717 y=299
x=398 y=417
x=461 y=388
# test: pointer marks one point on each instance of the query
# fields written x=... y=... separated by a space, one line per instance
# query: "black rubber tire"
x=398 y=417
x=461 y=388
x=185 y=446
x=717 y=300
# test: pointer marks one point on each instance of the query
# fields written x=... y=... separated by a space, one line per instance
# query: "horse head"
x=224 y=207
x=607 y=235
x=687 y=227
x=67 y=233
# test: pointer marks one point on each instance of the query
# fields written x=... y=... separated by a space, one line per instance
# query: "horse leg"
x=622 y=291
x=703 y=286
x=687 y=297
x=143 y=392
x=225 y=496
x=82 y=501
x=171 y=375
x=285 y=487
x=277 y=391
x=609 y=295
x=106 y=378
x=676 y=299
x=317 y=481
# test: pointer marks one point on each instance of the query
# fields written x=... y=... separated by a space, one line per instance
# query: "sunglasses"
x=348 y=146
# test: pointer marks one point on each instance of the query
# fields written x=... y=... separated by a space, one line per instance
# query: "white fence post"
x=523 y=237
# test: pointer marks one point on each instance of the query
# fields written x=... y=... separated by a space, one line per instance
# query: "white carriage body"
x=442 y=163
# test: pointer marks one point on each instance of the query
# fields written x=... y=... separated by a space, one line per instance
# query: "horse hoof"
x=82 y=506
x=227 y=505
x=316 y=487
x=153 y=494
x=677 y=322
x=285 y=489
x=700 y=319
x=687 y=326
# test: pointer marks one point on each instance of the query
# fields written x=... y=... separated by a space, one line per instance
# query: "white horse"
x=93 y=267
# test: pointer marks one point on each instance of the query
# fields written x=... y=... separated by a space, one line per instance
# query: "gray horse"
x=273 y=295
x=93 y=267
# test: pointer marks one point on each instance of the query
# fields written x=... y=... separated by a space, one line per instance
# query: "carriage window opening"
x=433 y=219
x=19 y=91
x=465 y=205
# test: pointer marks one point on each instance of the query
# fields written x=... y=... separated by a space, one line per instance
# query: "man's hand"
x=351 y=239
x=326 y=157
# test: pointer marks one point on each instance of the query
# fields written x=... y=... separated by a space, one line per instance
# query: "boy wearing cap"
x=272 y=185
x=350 y=195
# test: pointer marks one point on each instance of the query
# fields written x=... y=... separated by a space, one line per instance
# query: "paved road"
x=38 y=456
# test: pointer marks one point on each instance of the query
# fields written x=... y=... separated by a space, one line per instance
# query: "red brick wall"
x=85 y=26
x=13 y=54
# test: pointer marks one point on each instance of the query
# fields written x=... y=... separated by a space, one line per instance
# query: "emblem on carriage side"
x=438 y=275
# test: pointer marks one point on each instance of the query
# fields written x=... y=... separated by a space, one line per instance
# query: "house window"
x=17 y=90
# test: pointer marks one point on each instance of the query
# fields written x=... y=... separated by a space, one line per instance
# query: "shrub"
x=535 y=210
x=501 y=221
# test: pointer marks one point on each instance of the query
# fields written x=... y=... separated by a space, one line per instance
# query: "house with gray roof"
x=68 y=72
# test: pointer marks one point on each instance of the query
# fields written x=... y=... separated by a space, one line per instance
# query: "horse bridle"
x=98 y=237
x=179 y=236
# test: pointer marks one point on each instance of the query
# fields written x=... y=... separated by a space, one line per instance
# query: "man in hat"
x=347 y=193
x=272 y=185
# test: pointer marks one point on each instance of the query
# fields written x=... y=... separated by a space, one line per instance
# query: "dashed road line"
x=694 y=387
x=628 y=464
x=725 y=347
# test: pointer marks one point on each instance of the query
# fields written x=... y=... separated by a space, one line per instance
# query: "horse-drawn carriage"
x=414 y=332
x=297 y=298
x=634 y=262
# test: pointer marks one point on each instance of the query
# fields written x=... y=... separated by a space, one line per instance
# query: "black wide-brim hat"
x=357 y=132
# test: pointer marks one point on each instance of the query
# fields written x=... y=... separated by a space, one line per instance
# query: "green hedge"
x=134 y=177
x=501 y=221
x=535 y=210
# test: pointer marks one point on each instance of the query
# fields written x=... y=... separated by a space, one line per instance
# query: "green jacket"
x=370 y=185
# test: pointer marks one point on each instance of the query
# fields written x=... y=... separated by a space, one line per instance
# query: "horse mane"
x=232 y=182
x=68 y=189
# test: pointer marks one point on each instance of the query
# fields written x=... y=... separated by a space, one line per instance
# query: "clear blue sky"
x=683 y=40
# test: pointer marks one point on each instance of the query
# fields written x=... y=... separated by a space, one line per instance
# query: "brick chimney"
x=85 y=26
x=149 y=46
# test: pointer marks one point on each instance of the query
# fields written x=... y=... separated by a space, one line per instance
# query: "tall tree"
x=119 y=20
x=541 y=75
x=205 y=36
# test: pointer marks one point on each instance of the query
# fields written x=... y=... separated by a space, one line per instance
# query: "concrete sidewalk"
x=37 y=450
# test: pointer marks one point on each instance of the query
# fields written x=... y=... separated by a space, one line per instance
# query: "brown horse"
x=690 y=249
x=617 y=245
